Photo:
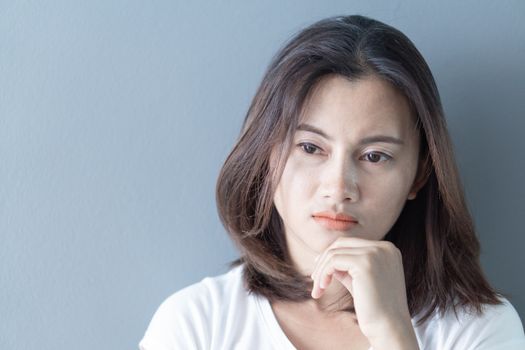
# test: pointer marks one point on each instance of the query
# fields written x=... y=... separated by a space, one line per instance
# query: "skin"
x=337 y=172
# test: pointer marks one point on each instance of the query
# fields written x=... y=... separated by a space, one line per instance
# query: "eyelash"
x=303 y=146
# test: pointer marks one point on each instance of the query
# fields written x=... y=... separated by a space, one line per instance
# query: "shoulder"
x=210 y=293
x=187 y=318
x=498 y=327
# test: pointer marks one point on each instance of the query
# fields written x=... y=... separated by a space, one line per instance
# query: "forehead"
x=358 y=107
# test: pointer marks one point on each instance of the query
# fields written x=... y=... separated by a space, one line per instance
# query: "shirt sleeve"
x=180 y=322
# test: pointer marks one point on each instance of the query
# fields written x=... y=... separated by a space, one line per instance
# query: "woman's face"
x=354 y=155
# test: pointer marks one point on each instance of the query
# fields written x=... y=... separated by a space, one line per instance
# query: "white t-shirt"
x=219 y=313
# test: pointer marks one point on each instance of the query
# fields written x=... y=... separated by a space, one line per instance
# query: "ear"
x=423 y=173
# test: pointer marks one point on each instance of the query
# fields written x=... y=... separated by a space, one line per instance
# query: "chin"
x=321 y=244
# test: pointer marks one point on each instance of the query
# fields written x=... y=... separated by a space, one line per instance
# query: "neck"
x=335 y=297
x=324 y=310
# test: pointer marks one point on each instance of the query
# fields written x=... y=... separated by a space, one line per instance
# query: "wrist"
x=391 y=344
x=402 y=337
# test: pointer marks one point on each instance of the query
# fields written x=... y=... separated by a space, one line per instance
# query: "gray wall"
x=115 y=117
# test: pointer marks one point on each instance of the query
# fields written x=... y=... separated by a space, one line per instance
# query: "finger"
x=325 y=281
x=322 y=279
x=317 y=291
x=346 y=263
x=319 y=286
x=348 y=242
x=345 y=279
x=322 y=261
x=354 y=242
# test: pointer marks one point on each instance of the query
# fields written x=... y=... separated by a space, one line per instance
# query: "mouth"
x=336 y=222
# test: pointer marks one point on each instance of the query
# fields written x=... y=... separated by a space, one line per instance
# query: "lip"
x=335 y=221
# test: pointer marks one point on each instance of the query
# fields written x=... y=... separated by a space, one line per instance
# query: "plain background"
x=115 y=118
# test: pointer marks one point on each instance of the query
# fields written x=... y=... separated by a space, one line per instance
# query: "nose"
x=339 y=180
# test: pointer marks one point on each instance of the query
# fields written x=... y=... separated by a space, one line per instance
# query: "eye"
x=376 y=157
x=309 y=148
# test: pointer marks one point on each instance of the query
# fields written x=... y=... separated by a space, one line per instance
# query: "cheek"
x=295 y=186
x=385 y=200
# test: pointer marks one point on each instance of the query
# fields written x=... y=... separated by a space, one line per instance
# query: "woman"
x=343 y=197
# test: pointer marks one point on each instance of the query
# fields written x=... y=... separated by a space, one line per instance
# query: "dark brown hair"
x=434 y=232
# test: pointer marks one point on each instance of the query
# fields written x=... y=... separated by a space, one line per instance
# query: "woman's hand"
x=372 y=271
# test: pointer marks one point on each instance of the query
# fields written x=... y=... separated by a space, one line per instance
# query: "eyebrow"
x=363 y=141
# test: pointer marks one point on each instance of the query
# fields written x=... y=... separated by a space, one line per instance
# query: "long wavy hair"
x=434 y=232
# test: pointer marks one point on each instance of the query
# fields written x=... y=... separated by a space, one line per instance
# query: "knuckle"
x=391 y=247
x=367 y=266
x=375 y=250
x=339 y=242
x=387 y=244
